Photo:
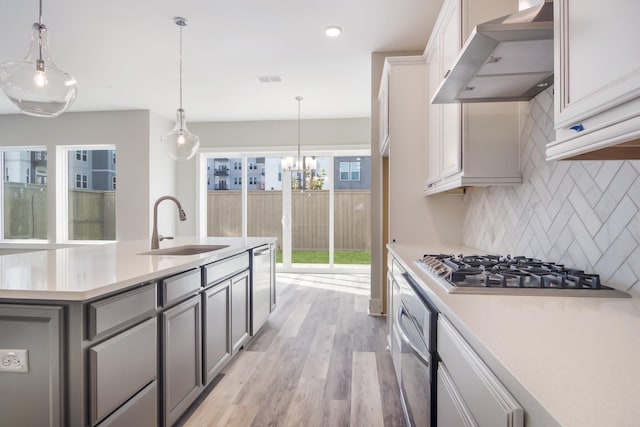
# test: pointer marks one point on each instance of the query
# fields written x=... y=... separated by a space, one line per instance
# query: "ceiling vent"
x=270 y=79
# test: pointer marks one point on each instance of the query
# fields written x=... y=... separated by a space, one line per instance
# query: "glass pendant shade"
x=36 y=85
x=180 y=144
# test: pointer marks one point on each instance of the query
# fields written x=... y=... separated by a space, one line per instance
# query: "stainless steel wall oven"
x=413 y=347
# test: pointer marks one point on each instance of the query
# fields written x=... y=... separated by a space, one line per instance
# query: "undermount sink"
x=185 y=250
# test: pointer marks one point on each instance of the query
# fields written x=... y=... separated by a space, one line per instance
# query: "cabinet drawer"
x=116 y=312
x=120 y=367
x=175 y=287
x=222 y=269
x=488 y=400
x=140 y=411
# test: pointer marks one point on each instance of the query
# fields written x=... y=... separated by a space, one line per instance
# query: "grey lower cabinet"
x=216 y=329
x=120 y=367
x=181 y=357
x=36 y=397
x=240 y=288
x=122 y=358
x=139 y=357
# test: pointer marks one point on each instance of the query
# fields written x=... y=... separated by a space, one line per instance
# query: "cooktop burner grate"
x=496 y=274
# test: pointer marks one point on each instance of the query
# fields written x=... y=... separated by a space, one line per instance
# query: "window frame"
x=63 y=186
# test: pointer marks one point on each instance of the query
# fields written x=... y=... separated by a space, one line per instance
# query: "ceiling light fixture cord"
x=300 y=165
x=180 y=24
x=41 y=28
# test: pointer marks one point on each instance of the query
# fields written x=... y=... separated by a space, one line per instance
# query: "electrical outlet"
x=14 y=360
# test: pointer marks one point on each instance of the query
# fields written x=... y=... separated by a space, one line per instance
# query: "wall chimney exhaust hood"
x=506 y=59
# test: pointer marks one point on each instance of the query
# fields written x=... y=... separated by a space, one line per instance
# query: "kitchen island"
x=107 y=334
x=568 y=361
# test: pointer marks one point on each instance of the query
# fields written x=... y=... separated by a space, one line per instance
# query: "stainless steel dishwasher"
x=262 y=286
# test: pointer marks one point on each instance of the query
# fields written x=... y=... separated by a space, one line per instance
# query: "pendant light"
x=309 y=163
x=36 y=85
x=180 y=144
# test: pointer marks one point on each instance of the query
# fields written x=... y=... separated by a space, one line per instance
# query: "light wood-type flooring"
x=320 y=361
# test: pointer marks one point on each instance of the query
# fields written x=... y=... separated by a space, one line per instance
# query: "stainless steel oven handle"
x=405 y=337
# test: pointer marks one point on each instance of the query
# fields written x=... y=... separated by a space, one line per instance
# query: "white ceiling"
x=124 y=53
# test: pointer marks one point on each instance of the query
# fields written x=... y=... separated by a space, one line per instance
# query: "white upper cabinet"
x=470 y=144
x=597 y=75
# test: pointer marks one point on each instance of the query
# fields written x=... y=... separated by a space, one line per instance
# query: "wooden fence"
x=92 y=214
x=309 y=217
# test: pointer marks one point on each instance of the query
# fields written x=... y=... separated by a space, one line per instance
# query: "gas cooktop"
x=517 y=275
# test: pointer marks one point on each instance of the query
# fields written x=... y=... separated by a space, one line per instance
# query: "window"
x=91 y=212
x=355 y=171
x=344 y=171
x=24 y=197
x=78 y=155
x=253 y=180
x=237 y=166
x=349 y=171
x=253 y=166
x=237 y=180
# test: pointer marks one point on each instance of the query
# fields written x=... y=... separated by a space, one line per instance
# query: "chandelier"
x=300 y=164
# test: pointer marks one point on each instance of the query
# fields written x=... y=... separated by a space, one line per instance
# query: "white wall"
x=263 y=134
x=127 y=130
x=162 y=178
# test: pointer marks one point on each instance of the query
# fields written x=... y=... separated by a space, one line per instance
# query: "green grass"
x=322 y=257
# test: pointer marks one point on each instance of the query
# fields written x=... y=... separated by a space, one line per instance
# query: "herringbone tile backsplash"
x=580 y=213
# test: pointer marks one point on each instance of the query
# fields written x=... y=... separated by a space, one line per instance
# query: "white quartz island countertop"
x=570 y=361
x=85 y=272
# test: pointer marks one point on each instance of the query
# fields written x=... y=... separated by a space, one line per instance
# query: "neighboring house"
x=352 y=173
x=226 y=173
x=349 y=172
x=29 y=167
x=92 y=169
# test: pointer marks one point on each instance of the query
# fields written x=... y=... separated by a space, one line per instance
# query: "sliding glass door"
x=321 y=218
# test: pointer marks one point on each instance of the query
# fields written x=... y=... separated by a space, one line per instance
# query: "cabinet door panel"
x=217 y=342
x=122 y=366
x=600 y=52
x=596 y=69
x=489 y=402
x=182 y=350
x=239 y=310
x=452 y=411
x=451 y=155
x=451 y=37
x=37 y=397
x=434 y=121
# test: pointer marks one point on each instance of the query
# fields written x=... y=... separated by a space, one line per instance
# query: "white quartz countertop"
x=84 y=272
x=570 y=361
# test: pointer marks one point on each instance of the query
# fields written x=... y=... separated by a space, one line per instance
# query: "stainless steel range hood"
x=507 y=59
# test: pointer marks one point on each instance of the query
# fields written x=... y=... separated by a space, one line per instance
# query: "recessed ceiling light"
x=333 y=31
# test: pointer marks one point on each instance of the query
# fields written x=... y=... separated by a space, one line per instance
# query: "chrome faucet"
x=155 y=238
